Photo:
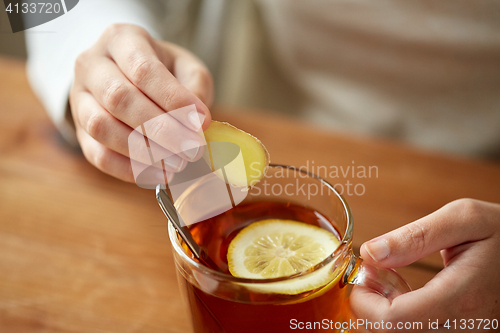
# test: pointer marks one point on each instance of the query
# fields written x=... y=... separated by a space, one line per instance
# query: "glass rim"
x=346 y=240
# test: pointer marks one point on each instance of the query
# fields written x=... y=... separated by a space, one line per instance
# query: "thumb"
x=455 y=223
x=190 y=71
x=193 y=75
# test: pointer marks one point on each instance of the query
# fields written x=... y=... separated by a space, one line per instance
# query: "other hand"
x=467 y=232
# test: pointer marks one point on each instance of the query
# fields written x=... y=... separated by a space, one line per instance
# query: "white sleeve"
x=54 y=46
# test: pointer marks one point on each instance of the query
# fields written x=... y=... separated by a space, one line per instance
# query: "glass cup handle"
x=386 y=282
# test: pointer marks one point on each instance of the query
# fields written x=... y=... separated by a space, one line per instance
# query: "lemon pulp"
x=276 y=248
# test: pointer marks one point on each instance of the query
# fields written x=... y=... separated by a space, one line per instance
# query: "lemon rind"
x=267 y=158
x=318 y=279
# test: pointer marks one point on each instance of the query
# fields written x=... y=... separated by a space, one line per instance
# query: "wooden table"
x=83 y=252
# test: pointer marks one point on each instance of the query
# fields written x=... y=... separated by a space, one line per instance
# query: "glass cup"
x=219 y=302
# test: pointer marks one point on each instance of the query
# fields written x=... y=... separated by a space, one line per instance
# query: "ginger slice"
x=234 y=155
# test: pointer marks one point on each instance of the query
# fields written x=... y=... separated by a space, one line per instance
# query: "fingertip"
x=197 y=120
x=377 y=250
x=163 y=176
x=207 y=120
x=364 y=254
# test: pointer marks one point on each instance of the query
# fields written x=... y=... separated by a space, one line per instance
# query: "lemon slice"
x=276 y=248
x=237 y=157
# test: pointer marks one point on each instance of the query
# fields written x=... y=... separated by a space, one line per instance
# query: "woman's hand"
x=127 y=79
x=467 y=232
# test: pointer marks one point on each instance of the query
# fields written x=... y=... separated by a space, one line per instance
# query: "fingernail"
x=196 y=118
x=174 y=162
x=190 y=148
x=378 y=250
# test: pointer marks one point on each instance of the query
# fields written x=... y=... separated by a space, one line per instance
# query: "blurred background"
x=425 y=73
x=11 y=45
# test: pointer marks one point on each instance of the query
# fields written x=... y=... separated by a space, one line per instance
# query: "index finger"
x=460 y=221
x=134 y=53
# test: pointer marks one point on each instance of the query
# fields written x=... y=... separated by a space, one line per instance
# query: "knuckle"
x=201 y=76
x=81 y=62
x=470 y=209
x=118 y=29
x=115 y=29
x=101 y=159
x=115 y=96
x=140 y=31
x=415 y=237
x=205 y=76
x=140 y=69
x=157 y=127
x=172 y=96
x=96 y=126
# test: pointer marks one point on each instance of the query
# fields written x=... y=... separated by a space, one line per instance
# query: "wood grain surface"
x=83 y=252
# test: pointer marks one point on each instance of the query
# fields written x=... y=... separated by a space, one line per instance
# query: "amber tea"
x=290 y=221
x=257 y=311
